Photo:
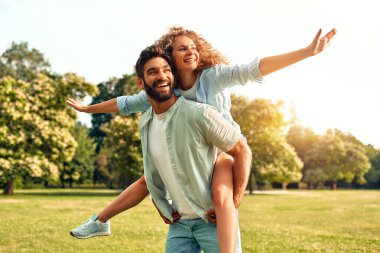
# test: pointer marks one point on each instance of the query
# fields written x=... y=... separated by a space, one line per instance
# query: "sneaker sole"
x=89 y=236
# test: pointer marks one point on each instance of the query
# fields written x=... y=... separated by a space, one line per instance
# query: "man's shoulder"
x=193 y=105
x=198 y=112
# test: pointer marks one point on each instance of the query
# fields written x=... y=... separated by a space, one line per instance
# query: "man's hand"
x=176 y=216
x=237 y=198
x=211 y=215
x=320 y=43
x=76 y=105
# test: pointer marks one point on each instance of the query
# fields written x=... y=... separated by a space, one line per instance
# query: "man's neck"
x=161 y=107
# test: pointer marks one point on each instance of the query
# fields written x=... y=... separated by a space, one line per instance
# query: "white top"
x=191 y=93
x=159 y=151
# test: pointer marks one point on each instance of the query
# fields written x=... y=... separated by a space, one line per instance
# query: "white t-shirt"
x=191 y=93
x=159 y=151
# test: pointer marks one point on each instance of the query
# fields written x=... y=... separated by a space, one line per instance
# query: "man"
x=178 y=141
x=178 y=138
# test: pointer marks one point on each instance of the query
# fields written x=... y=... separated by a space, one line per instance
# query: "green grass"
x=300 y=221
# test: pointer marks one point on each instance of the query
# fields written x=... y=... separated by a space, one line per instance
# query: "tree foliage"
x=20 y=62
x=262 y=123
x=302 y=139
x=373 y=176
x=120 y=158
x=109 y=90
x=340 y=156
x=80 y=169
x=35 y=122
x=315 y=178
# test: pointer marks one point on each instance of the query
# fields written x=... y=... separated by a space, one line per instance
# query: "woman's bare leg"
x=222 y=196
x=130 y=197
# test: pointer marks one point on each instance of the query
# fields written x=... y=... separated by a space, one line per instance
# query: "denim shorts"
x=193 y=236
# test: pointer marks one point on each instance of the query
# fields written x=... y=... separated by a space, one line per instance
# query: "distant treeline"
x=42 y=146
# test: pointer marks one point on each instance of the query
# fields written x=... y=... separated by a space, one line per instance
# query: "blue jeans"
x=192 y=236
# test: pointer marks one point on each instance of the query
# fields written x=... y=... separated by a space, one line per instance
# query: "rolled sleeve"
x=133 y=104
x=254 y=70
x=220 y=132
x=227 y=76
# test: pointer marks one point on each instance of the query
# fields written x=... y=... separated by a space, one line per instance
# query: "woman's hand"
x=76 y=105
x=320 y=43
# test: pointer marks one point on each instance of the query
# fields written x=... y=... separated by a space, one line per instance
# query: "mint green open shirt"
x=193 y=131
x=211 y=88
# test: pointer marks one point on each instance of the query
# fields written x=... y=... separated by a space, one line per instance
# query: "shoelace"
x=87 y=222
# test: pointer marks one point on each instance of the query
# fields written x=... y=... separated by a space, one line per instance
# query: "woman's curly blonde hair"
x=208 y=56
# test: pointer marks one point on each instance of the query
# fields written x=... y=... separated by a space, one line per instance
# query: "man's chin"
x=159 y=97
x=164 y=98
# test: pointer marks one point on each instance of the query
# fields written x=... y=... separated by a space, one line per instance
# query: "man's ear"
x=140 y=82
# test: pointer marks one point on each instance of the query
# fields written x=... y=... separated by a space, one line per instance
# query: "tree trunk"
x=299 y=185
x=71 y=180
x=333 y=185
x=9 y=187
x=250 y=186
x=284 y=185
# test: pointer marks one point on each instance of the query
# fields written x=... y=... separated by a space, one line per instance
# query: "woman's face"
x=185 y=54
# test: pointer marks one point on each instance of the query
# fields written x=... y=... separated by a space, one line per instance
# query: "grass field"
x=299 y=221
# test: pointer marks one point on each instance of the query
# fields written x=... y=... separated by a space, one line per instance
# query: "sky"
x=100 y=39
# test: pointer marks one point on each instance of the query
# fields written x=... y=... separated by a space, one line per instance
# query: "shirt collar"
x=148 y=115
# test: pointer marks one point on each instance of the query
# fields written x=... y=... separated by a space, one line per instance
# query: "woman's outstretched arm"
x=103 y=107
x=125 y=105
x=273 y=63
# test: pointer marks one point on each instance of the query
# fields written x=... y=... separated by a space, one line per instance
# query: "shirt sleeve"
x=225 y=76
x=133 y=104
x=218 y=131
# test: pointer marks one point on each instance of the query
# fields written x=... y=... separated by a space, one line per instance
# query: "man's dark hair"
x=148 y=54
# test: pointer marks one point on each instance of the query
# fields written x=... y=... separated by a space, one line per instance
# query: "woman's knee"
x=224 y=161
x=222 y=196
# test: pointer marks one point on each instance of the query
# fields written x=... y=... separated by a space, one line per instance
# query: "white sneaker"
x=92 y=227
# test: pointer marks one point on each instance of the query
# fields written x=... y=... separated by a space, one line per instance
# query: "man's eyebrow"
x=151 y=69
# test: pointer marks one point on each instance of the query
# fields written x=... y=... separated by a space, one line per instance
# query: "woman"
x=203 y=76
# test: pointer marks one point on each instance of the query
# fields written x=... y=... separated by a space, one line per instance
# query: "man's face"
x=158 y=79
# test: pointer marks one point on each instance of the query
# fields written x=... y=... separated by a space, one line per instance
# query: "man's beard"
x=158 y=97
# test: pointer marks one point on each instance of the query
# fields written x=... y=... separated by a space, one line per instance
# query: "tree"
x=283 y=165
x=373 y=176
x=315 y=178
x=20 y=62
x=302 y=140
x=35 y=123
x=339 y=156
x=262 y=123
x=108 y=90
x=120 y=158
x=81 y=167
